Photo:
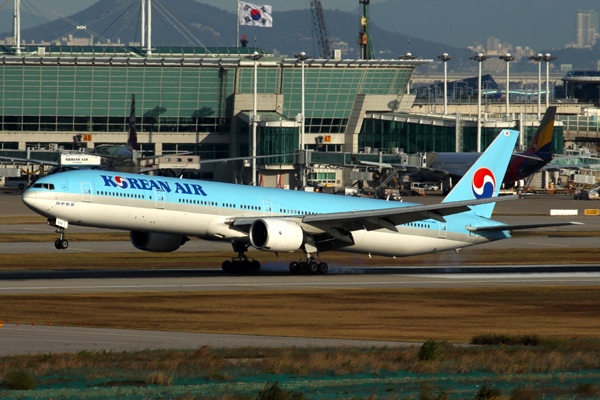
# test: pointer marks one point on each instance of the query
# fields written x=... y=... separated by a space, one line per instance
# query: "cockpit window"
x=48 y=186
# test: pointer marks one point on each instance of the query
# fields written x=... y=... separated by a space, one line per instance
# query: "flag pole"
x=237 y=24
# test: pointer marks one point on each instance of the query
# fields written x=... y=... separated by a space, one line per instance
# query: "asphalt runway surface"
x=274 y=276
x=26 y=339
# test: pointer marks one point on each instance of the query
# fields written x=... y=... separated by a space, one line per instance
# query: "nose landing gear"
x=61 y=243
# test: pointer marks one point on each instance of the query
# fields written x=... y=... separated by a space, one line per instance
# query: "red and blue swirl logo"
x=484 y=183
x=255 y=14
x=122 y=182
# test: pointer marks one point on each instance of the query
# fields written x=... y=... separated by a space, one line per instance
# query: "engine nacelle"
x=156 y=242
x=276 y=235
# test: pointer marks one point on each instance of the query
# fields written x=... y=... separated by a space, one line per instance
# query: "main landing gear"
x=308 y=265
x=61 y=243
x=241 y=263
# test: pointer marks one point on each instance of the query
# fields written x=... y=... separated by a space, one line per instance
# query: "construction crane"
x=320 y=29
x=364 y=38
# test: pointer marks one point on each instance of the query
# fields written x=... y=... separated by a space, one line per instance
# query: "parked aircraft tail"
x=543 y=137
x=484 y=178
x=132 y=137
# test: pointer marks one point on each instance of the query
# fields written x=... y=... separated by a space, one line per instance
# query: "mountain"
x=292 y=31
x=394 y=24
x=539 y=24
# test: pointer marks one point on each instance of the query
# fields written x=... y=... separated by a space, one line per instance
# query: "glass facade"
x=97 y=99
x=413 y=138
x=329 y=92
x=277 y=141
x=72 y=98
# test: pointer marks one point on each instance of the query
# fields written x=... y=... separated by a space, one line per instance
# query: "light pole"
x=480 y=58
x=302 y=57
x=445 y=58
x=408 y=57
x=539 y=58
x=253 y=120
x=508 y=58
x=548 y=58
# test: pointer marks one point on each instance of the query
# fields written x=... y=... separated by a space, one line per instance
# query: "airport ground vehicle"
x=587 y=194
x=18 y=182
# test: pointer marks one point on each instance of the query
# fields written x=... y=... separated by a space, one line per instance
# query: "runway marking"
x=548 y=244
x=518 y=275
x=324 y=284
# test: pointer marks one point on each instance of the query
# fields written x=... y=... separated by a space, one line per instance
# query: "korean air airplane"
x=162 y=213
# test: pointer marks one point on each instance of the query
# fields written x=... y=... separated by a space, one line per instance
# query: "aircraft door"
x=86 y=192
x=267 y=207
x=160 y=198
x=443 y=230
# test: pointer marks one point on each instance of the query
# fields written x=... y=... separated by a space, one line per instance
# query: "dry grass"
x=66 y=260
x=160 y=367
x=22 y=220
x=403 y=314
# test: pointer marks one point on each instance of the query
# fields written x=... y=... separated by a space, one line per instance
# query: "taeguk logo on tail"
x=484 y=183
x=122 y=182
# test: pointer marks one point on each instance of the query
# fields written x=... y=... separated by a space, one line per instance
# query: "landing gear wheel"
x=57 y=244
x=64 y=243
x=254 y=266
x=323 y=268
x=236 y=267
x=227 y=267
x=303 y=267
x=294 y=267
x=313 y=268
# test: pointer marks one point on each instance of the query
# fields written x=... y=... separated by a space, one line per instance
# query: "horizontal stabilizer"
x=514 y=227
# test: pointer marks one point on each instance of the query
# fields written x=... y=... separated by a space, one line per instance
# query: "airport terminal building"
x=190 y=101
x=201 y=100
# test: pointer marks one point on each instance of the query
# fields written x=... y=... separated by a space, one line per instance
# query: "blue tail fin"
x=484 y=178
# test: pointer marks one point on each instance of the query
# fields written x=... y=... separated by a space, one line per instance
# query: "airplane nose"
x=29 y=197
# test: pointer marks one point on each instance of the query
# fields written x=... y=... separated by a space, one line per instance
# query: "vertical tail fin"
x=543 y=137
x=484 y=178
x=132 y=138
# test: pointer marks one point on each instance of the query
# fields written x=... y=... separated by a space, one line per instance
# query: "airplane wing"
x=514 y=227
x=385 y=218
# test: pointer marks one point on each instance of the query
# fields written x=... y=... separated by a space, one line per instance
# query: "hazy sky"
x=68 y=7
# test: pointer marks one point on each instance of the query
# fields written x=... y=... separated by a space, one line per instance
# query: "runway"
x=351 y=278
x=273 y=277
x=26 y=339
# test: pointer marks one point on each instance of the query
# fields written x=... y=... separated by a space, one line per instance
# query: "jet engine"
x=276 y=235
x=156 y=242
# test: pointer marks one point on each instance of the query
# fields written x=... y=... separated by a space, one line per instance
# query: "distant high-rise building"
x=586 y=27
x=493 y=44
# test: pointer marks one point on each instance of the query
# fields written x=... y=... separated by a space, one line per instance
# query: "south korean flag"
x=255 y=15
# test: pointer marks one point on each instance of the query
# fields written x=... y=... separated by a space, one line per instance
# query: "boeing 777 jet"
x=162 y=213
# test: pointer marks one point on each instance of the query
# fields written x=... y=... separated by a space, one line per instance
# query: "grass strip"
x=22 y=220
x=341 y=373
x=455 y=315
